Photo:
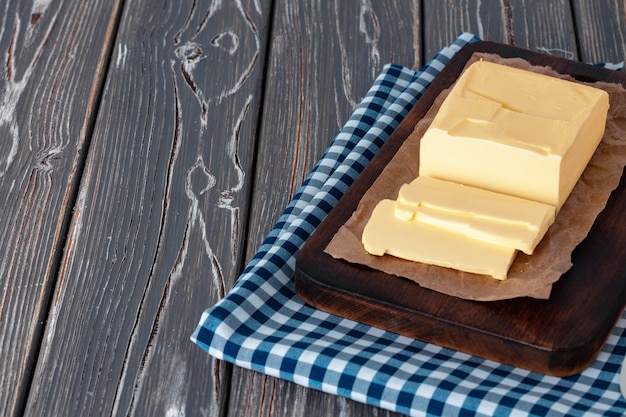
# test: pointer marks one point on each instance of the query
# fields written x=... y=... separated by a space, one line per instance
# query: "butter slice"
x=515 y=132
x=491 y=217
x=384 y=233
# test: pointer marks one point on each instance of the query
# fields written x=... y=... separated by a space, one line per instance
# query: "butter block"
x=385 y=233
x=491 y=217
x=515 y=132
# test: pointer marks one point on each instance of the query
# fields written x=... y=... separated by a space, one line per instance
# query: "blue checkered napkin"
x=262 y=325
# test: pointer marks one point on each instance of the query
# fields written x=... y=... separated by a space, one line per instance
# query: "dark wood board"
x=560 y=336
x=54 y=57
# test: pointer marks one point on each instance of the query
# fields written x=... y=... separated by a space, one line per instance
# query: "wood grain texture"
x=324 y=57
x=156 y=235
x=51 y=73
x=533 y=24
x=601 y=28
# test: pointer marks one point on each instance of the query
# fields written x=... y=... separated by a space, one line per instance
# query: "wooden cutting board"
x=559 y=336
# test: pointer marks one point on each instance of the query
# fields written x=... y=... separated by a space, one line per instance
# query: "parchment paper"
x=529 y=276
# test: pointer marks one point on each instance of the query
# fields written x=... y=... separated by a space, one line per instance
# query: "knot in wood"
x=190 y=52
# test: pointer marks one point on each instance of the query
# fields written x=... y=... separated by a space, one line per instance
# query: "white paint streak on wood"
x=342 y=403
x=226 y=197
x=338 y=119
x=122 y=53
x=257 y=6
x=5 y=16
x=37 y=10
x=233 y=145
x=229 y=41
x=369 y=27
x=556 y=51
x=190 y=54
x=185 y=25
x=195 y=218
x=11 y=93
x=174 y=388
x=13 y=89
x=213 y=8
x=416 y=32
x=345 y=68
x=479 y=22
x=40 y=6
x=248 y=70
x=507 y=18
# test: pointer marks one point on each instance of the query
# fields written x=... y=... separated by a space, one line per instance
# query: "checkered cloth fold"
x=263 y=325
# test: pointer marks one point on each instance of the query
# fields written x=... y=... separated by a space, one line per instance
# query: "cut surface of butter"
x=515 y=132
x=492 y=217
x=385 y=233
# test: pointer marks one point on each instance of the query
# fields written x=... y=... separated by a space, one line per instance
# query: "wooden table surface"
x=147 y=148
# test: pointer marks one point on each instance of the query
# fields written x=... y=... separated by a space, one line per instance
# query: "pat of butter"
x=384 y=233
x=515 y=132
x=491 y=217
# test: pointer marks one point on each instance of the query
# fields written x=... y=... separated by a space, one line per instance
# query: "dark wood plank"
x=537 y=25
x=601 y=28
x=157 y=232
x=511 y=331
x=324 y=57
x=51 y=73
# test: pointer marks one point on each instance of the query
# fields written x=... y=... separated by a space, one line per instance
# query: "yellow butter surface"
x=385 y=233
x=492 y=217
x=515 y=132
